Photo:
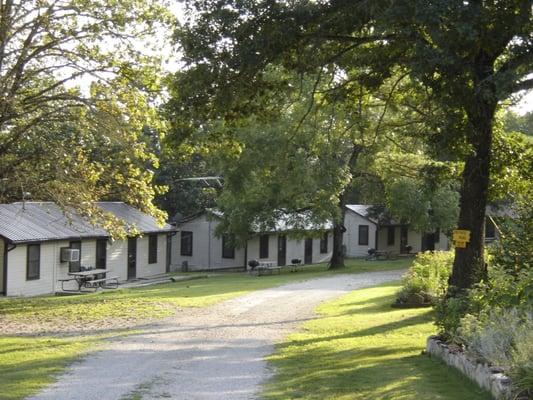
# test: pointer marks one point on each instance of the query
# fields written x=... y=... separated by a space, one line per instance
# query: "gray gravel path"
x=210 y=353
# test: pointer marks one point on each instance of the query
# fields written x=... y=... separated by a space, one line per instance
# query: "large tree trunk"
x=469 y=265
x=337 y=256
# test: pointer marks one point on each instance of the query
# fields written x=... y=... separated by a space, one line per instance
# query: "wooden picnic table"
x=90 y=279
x=268 y=267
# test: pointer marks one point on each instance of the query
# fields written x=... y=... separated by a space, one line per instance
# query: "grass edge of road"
x=31 y=362
x=359 y=347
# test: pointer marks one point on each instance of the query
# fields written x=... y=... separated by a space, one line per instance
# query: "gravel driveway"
x=208 y=353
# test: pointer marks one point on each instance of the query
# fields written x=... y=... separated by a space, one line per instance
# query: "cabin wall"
x=18 y=285
x=351 y=236
x=206 y=248
x=295 y=249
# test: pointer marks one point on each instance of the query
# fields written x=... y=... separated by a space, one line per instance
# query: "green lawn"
x=162 y=300
x=361 y=348
x=29 y=363
x=26 y=365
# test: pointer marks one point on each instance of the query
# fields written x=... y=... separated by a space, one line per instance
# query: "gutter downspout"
x=246 y=255
x=209 y=245
x=7 y=249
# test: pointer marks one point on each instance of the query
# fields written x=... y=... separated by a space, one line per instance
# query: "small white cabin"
x=33 y=234
x=365 y=232
x=196 y=247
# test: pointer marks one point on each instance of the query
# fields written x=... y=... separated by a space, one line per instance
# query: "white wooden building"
x=196 y=247
x=32 y=235
x=364 y=232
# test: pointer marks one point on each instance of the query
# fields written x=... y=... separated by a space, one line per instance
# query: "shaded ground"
x=215 y=352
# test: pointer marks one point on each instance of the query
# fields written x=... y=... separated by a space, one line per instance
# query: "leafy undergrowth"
x=361 y=348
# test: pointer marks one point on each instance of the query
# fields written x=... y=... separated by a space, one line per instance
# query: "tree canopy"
x=468 y=55
x=75 y=96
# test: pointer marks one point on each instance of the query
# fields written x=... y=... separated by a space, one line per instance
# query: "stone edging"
x=489 y=378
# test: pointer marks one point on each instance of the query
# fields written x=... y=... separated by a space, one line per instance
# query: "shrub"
x=427 y=278
x=502 y=337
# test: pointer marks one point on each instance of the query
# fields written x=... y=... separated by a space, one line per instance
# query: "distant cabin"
x=366 y=231
x=196 y=247
x=33 y=234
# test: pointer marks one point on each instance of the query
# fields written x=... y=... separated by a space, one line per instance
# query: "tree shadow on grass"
x=368 y=374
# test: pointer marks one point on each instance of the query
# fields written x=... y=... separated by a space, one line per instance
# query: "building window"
x=33 y=261
x=186 y=243
x=324 y=243
x=101 y=253
x=228 y=249
x=152 y=249
x=490 y=230
x=75 y=266
x=363 y=235
x=263 y=246
x=391 y=231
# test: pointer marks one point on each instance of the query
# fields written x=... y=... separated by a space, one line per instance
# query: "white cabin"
x=196 y=247
x=32 y=236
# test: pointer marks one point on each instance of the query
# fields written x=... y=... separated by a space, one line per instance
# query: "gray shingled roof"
x=43 y=221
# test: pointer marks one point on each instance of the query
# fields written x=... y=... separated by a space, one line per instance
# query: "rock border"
x=489 y=378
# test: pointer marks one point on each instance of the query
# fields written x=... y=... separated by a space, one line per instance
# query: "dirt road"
x=210 y=353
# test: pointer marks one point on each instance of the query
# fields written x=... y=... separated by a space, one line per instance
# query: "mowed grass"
x=27 y=364
x=162 y=300
x=361 y=348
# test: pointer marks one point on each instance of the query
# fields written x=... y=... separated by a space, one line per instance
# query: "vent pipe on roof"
x=23 y=194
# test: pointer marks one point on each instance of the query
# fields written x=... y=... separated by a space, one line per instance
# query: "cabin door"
x=308 y=254
x=428 y=241
x=282 y=250
x=168 y=254
x=132 y=257
x=403 y=240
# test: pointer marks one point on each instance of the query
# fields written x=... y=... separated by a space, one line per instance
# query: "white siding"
x=206 y=247
x=143 y=268
x=383 y=239
x=17 y=285
x=117 y=259
x=319 y=257
x=295 y=249
x=351 y=236
x=414 y=239
x=442 y=244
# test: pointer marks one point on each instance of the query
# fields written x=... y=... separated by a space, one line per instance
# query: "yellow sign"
x=461 y=235
x=460 y=244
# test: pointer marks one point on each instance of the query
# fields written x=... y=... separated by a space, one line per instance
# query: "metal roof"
x=44 y=221
x=363 y=210
x=282 y=222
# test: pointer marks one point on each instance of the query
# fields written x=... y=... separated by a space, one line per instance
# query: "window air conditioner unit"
x=69 y=255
